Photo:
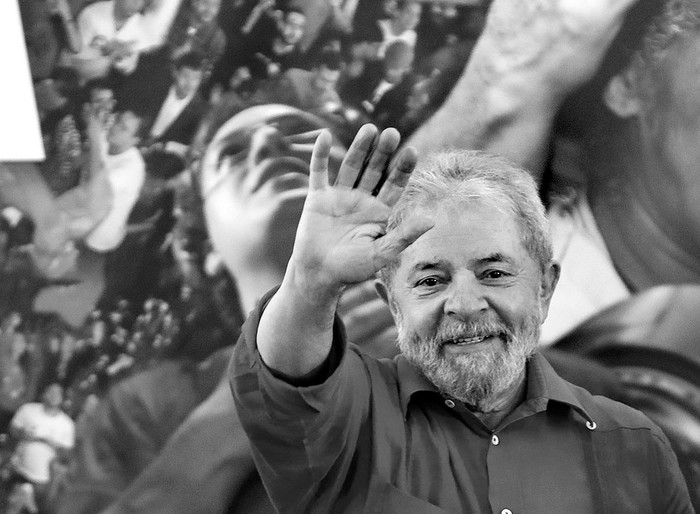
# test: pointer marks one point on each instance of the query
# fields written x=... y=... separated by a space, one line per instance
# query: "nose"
x=265 y=143
x=466 y=298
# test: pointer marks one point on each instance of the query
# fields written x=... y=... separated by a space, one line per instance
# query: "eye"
x=431 y=281
x=495 y=274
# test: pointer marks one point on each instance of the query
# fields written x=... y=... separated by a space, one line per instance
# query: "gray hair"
x=465 y=175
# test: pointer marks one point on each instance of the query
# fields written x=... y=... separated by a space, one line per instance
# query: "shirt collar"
x=543 y=384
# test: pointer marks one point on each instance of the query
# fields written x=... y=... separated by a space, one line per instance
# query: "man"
x=196 y=28
x=96 y=215
x=124 y=169
x=176 y=111
x=44 y=434
x=254 y=180
x=469 y=418
x=623 y=141
x=267 y=48
x=403 y=18
x=382 y=88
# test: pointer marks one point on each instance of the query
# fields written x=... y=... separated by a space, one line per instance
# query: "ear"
x=620 y=94
x=549 y=282
x=382 y=291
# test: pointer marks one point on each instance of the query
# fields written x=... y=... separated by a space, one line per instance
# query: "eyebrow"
x=496 y=257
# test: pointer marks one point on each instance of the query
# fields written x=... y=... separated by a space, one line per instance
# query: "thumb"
x=397 y=240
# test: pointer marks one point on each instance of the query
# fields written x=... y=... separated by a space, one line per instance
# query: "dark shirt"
x=376 y=436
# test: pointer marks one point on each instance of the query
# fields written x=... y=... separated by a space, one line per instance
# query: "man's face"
x=670 y=132
x=206 y=10
x=254 y=185
x=102 y=100
x=123 y=134
x=53 y=396
x=292 y=28
x=186 y=81
x=468 y=302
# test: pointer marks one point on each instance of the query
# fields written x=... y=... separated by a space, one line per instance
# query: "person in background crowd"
x=114 y=32
x=312 y=90
x=94 y=219
x=49 y=30
x=403 y=18
x=176 y=112
x=469 y=417
x=44 y=435
x=196 y=29
x=266 y=48
x=383 y=88
x=14 y=379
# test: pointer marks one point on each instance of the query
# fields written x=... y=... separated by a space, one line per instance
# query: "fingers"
x=365 y=164
x=356 y=157
x=318 y=168
x=398 y=176
x=387 y=144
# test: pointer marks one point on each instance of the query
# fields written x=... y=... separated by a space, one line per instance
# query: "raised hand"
x=342 y=236
x=341 y=239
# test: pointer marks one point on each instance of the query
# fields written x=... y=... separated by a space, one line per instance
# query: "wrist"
x=311 y=287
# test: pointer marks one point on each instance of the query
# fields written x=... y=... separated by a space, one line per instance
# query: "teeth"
x=471 y=340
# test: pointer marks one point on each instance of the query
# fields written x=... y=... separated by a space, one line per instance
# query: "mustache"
x=450 y=330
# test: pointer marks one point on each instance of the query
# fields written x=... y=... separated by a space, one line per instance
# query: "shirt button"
x=506 y=511
x=450 y=403
x=495 y=440
x=591 y=425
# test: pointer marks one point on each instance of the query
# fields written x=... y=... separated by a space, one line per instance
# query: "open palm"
x=342 y=236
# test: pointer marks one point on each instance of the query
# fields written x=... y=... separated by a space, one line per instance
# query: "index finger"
x=398 y=176
x=318 y=167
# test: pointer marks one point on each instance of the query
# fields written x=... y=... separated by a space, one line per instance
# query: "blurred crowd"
x=108 y=267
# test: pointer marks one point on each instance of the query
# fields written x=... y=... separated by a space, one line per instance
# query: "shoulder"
x=610 y=415
x=25 y=411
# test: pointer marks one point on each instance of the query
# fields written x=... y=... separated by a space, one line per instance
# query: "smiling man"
x=469 y=418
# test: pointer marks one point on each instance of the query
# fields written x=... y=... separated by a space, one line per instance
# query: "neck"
x=116 y=150
x=51 y=410
x=492 y=411
x=649 y=243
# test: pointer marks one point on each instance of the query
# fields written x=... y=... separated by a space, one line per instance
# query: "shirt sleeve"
x=671 y=493
x=303 y=438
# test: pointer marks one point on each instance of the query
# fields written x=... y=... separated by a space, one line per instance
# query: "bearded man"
x=469 y=418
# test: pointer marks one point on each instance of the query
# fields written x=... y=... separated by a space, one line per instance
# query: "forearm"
x=498 y=105
x=530 y=56
x=296 y=328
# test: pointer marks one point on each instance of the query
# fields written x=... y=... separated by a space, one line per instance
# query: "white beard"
x=478 y=378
